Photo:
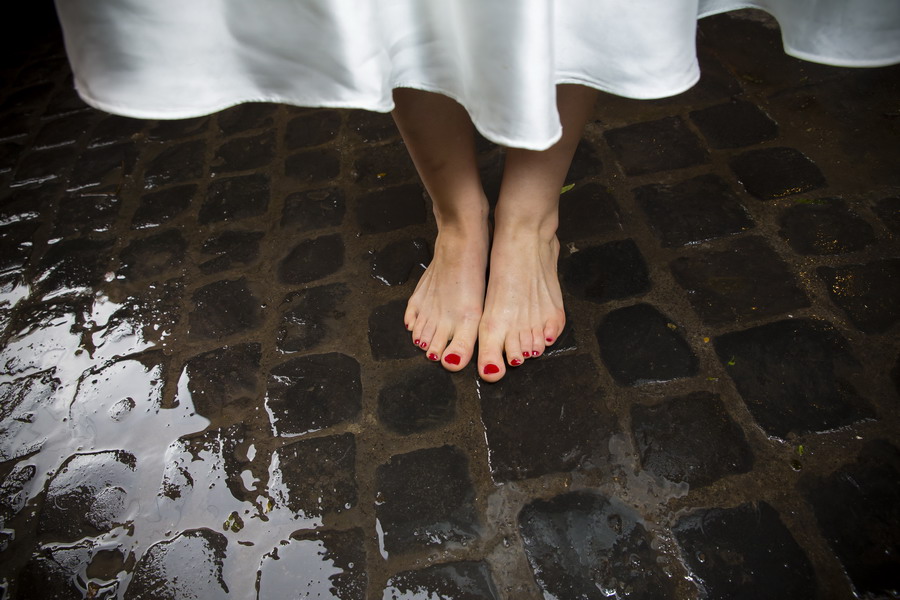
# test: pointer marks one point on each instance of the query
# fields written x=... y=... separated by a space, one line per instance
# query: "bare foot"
x=444 y=311
x=523 y=310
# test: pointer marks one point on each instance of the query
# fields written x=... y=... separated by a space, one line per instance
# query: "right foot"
x=445 y=309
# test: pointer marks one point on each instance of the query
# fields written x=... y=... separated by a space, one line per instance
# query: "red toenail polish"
x=549 y=340
x=526 y=354
x=416 y=342
x=433 y=356
x=515 y=362
x=453 y=359
x=490 y=369
x=423 y=345
x=535 y=354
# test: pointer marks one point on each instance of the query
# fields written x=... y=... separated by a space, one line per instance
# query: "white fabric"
x=167 y=59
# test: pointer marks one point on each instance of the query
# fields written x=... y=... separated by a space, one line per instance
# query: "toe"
x=491 y=366
x=459 y=350
x=514 y=351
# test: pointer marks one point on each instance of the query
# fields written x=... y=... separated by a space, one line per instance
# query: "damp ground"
x=207 y=390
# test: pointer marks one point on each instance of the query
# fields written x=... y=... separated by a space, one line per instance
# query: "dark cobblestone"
x=389 y=166
x=693 y=211
x=311 y=393
x=105 y=168
x=558 y=400
x=15 y=244
x=177 y=128
x=223 y=380
x=612 y=271
x=460 y=581
x=244 y=117
x=656 y=146
x=113 y=129
x=73 y=264
x=794 y=376
x=426 y=499
x=584 y=545
x=44 y=165
x=585 y=163
x=190 y=565
x=312 y=129
x=746 y=281
x=889 y=211
x=224 y=308
x=395 y=263
x=244 y=153
x=825 y=227
x=311 y=260
x=153 y=256
x=372 y=126
x=156 y=208
x=641 y=345
x=386 y=339
x=63 y=131
x=235 y=198
x=691 y=439
x=772 y=173
x=587 y=211
x=315 y=314
x=391 y=208
x=233 y=248
x=314 y=209
x=175 y=164
x=423 y=399
x=734 y=125
x=313 y=166
x=869 y=294
x=745 y=552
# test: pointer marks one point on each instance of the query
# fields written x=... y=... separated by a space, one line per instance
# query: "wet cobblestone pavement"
x=207 y=390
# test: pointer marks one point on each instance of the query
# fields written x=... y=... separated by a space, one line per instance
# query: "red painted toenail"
x=490 y=369
x=433 y=356
x=423 y=345
x=416 y=342
x=515 y=362
x=535 y=354
x=526 y=354
x=549 y=340
x=453 y=359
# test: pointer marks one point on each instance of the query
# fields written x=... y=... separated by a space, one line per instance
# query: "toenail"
x=549 y=340
x=526 y=354
x=535 y=354
x=423 y=345
x=490 y=369
x=416 y=342
x=453 y=359
x=433 y=356
x=514 y=362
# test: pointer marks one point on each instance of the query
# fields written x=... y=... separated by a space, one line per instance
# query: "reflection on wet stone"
x=315 y=477
x=425 y=498
x=16 y=244
x=313 y=166
x=313 y=209
x=858 y=509
x=772 y=173
x=311 y=260
x=73 y=264
x=144 y=319
x=153 y=256
x=88 y=494
x=826 y=227
x=693 y=211
x=310 y=393
x=113 y=129
x=691 y=439
x=393 y=264
x=13 y=491
x=105 y=166
x=467 y=580
x=869 y=294
x=641 y=345
x=734 y=125
x=321 y=564
x=224 y=308
x=424 y=399
x=175 y=164
x=748 y=280
x=233 y=248
x=794 y=376
x=312 y=129
x=84 y=214
x=585 y=545
x=745 y=552
x=391 y=208
x=315 y=314
x=224 y=380
x=156 y=208
x=587 y=210
x=43 y=165
x=655 y=146
x=20 y=400
x=556 y=400
x=235 y=198
x=612 y=271
x=388 y=339
x=62 y=131
x=53 y=570
x=188 y=566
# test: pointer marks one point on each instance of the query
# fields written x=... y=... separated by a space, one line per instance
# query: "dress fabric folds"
x=501 y=59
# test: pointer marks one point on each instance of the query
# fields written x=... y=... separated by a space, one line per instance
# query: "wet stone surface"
x=175 y=164
x=460 y=581
x=315 y=209
x=586 y=545
x=690 y=438
x=424 y=398
x=825 y=227
x=746 y=281
x=794 y=376
x=313 y=166
x=310 y=393
x=396 y=262
x=245 y=153
x=889 y=211
x=224 y=308
x=745 y=552
x=323 y=564
x=869 y=294
x=612 y=271
x=425 y=498
x=390 y=165
x=187 y=566
x=156 y=208
x=734 y=125
x=153 y=256
x=105 y=167
x=72 y=265
x=311 y=260
x=587 y=211
x=233 y=249
x=312 y=316
x=83 y=214
x=655 y=146
x=857 y=508
x=312 y=129
x=243 y=117
x=235 y=198
x=556 y=399
x=386 y=339
x=224 y=379
x=641 y=345
x=772 y=173
x=693 y=211
x=391 y=208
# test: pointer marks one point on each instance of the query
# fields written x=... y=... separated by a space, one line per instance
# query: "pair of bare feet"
x=514 y=317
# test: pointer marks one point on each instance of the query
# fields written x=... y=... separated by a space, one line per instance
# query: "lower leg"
x=444 y=311
x=523 y=311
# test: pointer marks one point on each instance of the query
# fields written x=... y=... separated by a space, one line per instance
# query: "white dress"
x=168 y=59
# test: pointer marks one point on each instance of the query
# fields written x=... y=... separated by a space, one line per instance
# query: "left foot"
x=523 y=309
